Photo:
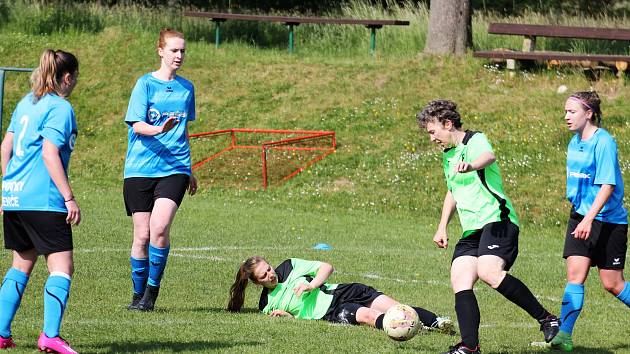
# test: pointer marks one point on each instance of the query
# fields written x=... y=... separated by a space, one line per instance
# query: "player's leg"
x=463 y=278
x=139 y=259
x=428 y=319
x=498 y=249
x=56 y=293
x=138 y=196
x=612 y=259
x=159 y=247
x=11 y=291
x=169 y=193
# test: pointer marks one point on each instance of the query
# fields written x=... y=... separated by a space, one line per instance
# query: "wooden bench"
x=291 y=22
x=530 y=32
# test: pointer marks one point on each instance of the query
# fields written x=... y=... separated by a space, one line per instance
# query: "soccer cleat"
x=147 y=303
x=54 y=345
x=562 y=341
x=550 y=327
x=442 y=325
x=6 y=343
x=134 y=302
x=460 y=348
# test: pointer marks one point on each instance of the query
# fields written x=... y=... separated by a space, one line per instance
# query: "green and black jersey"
x=479 y=194
x=312 y=305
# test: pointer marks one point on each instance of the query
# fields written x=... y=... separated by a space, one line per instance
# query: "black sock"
x=379 y=321
x=426 y=317
x=468 y=317
x=517 y=292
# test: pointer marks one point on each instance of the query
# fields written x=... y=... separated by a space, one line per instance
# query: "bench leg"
x=512 y=66
x=290 y=38
x=373 y=40
x=217 y=34
x=621 y=66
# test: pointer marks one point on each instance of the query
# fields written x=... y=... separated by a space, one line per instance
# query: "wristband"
x=69 y=200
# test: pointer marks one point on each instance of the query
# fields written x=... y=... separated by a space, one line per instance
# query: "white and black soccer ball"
x=401 y=322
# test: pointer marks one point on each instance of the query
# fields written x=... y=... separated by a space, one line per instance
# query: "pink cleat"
x=6 y=343
x=54 y=345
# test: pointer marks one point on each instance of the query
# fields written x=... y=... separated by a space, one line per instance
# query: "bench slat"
x=560 y=31
x=296 y=20
x=549 y=56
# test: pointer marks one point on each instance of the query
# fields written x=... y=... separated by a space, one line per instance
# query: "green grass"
x=376 y=201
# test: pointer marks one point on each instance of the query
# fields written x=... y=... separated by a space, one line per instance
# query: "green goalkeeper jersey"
x=311 y=305
x=479 y=194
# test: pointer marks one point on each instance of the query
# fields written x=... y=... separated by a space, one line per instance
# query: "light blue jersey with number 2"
x=153 y=101
x=27 y=185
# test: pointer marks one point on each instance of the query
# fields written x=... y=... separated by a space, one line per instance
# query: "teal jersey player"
x=489 y=243
x=27 y=184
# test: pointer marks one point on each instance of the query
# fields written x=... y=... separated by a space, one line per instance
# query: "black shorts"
x=497 y=239
x=347 y=299
x=606 y=245
x=46 y=231
x=140 y=193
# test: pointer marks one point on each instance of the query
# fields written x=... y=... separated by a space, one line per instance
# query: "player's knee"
x=490 y=276
x=613 y=286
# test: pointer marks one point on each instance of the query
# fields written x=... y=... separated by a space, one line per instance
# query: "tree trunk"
x=450 y=27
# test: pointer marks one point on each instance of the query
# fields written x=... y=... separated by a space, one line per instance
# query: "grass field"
x=376 y=201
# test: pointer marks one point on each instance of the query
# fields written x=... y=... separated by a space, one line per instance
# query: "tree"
x=450 y=27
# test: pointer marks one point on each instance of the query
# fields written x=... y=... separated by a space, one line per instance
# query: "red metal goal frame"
x=280 y=144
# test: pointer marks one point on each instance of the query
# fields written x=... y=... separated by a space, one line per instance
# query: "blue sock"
x=11 y=292
x=624 y=295
x=56 y=293
x=572 y=303
x=157 y=263
x=139 y=274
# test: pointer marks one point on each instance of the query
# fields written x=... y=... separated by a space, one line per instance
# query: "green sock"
x=563 y=341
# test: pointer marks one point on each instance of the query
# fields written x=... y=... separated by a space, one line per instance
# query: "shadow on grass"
x=221 y=310
x=576 y=350
x=168 y=346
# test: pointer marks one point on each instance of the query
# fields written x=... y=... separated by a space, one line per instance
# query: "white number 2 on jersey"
x=18 y=148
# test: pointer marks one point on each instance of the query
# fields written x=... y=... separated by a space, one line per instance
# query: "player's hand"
x=74 y=213
x=463 y=167
x=192 y=185
x=441 y=239
x=170 y=123
x=583 y=230
x=279 y=313
x=300 y=289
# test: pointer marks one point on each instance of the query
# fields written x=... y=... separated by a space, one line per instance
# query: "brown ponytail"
x=243 y=275
x=48 y=76
x=590 y=101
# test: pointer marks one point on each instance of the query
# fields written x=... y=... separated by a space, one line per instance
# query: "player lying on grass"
x=298 y=288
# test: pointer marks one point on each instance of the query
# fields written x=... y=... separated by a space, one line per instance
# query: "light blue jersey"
x=153 y=101
x=591 y=163
x=27 y=184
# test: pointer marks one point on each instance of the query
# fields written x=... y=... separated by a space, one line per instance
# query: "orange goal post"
x=282 y=153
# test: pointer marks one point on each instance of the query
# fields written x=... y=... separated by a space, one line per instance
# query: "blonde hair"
x=165 y=34
x=244 y=274
x=48 y=76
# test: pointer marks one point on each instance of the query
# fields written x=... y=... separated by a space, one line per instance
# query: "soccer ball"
x=401 y=322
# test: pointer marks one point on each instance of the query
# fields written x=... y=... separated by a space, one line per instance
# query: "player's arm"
x=448 y=209
x=52 y=160
x=6 y=151
x=146 y=129
x=324 y=271
x=280 y=313
x=583 y=229
x=484 y=160
x=192 y=185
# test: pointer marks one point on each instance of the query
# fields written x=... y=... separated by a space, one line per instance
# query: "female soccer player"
x=597 y=232
x=489 y=243
x=37 y=202
x=298 y=288
x=158 y=164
